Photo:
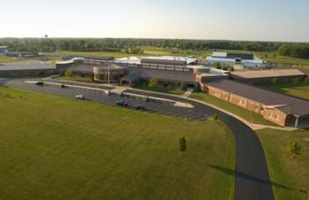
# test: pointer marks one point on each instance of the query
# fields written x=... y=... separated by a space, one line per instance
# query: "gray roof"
x=300 y=107
x=26 y=65
x=163 y=75
x=163 y=62
x=187 y=77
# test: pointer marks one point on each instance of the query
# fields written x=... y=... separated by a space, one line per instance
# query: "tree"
x=182 y=144
x=215 y=117
x=294 y=148
x=296 y=81
x=274 y=81
x=197 y=87
x=218 y=66
x=153 y=83
x=183 y=86
x=69 y=72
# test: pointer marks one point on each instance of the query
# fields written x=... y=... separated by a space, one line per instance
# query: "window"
x=274 y=116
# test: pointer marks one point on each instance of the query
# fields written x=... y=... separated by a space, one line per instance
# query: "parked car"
x=139 y=107
x=108 y=92
x=41 y=83
x=80 y=96
x=122 y=103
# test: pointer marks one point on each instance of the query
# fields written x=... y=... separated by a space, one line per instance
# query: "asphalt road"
x=252 y=180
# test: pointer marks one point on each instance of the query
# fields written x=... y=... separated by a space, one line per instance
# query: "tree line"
x=134 y=46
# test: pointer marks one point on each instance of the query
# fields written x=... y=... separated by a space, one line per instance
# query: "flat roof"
x=267 y=73
x=27 y=65
x=300 y=107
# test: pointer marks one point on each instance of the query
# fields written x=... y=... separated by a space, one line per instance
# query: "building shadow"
x=236 y=173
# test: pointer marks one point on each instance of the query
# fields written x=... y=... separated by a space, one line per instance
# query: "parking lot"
x=100 y=96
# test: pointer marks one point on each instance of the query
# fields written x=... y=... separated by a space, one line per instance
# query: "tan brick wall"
x=273 y=115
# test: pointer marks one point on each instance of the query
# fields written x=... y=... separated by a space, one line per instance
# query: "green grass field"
x=57 y=148
x=241 y=112
x=299 y=90
x=291 y=173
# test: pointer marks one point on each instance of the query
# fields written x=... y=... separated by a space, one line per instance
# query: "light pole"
x=108 y=74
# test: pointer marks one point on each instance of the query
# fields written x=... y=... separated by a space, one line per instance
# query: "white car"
x=80 y=96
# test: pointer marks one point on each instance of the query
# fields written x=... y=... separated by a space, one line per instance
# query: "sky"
x=259 y=20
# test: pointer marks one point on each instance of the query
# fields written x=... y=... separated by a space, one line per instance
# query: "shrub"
x=306 y=79
x=183 y=87
x=294 y=148
x=215 y=117
x=197 y=87
x=274 y=81
x=182 y=144
x=218 y=66
x=153 y=83
x=69 y=73
x=296 y=81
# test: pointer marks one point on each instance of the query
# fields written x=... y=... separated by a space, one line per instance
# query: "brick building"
x=280 y=109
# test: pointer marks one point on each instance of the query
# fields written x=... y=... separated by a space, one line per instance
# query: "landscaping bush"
x=69 y=73
x=153 y=83
x=294 y=148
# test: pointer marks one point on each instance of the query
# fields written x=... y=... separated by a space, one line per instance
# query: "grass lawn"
x=79 y=79
x=57 y=148
x=291 y=173
x=162 y=89
x=241 y=112
x=299 y=90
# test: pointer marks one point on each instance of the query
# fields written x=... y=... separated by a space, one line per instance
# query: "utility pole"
x=108 y=75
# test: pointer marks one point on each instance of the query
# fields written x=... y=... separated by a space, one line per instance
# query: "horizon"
x=240 y=20
x=136 y=38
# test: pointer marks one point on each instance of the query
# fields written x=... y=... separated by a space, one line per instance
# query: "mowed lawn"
x=299 y=90
x=241 y=112
x=289 y=175
x=57 y=148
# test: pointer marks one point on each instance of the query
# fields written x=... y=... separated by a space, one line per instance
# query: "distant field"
x=290 y=174
x=58 y=148
x=299 y=90
x=241 y=112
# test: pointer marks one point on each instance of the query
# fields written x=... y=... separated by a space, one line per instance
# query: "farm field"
x=57 y=148
x=290 y=175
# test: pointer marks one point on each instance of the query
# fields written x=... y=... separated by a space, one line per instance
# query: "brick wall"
x=272 y=114
x=276 y=116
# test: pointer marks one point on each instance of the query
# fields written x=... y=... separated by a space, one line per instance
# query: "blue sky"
x=270 y=20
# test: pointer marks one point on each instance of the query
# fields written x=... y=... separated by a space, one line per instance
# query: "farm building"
x=280 y=109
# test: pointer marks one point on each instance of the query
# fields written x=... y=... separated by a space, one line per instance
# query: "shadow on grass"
x=248 y=177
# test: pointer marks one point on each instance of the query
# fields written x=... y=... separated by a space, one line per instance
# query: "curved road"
x=252 y=180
